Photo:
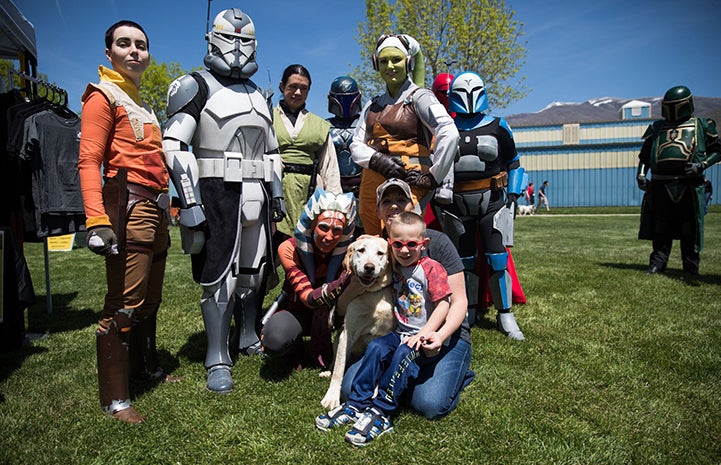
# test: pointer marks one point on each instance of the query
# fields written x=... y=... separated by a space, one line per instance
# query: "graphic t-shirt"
x=415 y=291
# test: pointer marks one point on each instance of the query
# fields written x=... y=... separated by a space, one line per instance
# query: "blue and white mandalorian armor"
x=487 y=179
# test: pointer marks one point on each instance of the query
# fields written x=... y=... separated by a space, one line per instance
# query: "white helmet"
x=231 y=45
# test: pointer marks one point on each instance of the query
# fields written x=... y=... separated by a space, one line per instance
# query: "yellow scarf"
x=110 y=75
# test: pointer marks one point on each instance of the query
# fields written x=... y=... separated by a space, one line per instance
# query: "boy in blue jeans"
x=421 y=294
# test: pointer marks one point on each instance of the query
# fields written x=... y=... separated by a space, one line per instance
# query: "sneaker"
x=368 y=427
x=340 y=415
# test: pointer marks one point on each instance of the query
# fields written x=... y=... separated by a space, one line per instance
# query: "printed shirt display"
x=415 y=290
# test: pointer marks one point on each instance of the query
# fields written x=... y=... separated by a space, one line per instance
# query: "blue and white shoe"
x=368 y=427
x=340 y=415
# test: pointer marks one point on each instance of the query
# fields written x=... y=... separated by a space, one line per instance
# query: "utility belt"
x=681 y=179
x=119 y=197
x=137 y=192
x=297 y=168
x=495 y=183
x=233 y=168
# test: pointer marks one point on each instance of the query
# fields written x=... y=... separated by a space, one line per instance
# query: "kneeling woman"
x=314 y=278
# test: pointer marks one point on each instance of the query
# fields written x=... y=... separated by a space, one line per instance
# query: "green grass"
x=618 y=368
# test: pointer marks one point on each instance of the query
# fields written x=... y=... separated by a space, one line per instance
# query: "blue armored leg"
x=501 y=292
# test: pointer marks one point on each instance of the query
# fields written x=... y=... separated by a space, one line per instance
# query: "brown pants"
x=135 y=275
x=135 y=286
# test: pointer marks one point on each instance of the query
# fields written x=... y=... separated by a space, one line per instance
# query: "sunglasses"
x=398 y=245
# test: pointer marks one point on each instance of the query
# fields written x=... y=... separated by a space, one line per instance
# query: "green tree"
x=154 y=87
x=455 y=36
x=5 y=67
x=16 y=82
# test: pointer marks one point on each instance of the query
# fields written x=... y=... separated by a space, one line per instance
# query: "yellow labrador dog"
x=368 y=315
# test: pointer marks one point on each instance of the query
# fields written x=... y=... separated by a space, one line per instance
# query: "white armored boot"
x=216 y=317
x=506 y=323
x=501 y=292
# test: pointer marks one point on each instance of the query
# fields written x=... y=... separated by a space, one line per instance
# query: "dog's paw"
x=331 y=399
x=324 y=374
x=330 y=403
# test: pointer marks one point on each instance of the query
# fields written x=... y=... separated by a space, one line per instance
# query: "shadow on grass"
x=141 y=386
x=677 y=275
x=64 y=317
x=12 y=360
x=273 y=369
x=485 y=318
x=194 y=348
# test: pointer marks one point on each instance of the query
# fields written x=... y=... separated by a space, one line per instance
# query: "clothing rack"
x=57 y=96
x=33 y=86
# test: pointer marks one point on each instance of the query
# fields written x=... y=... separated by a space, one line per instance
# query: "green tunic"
x=302 y=149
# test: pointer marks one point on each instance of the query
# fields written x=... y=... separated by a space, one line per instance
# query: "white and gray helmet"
x=231 y=45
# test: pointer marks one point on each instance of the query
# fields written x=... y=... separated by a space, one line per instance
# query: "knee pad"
x=497 y=261
x=280 y=332
x=120 y=322
x=469 y=263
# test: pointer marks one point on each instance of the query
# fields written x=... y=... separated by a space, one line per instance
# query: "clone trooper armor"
x=344 y=101
x=677 y=150
x=487 y=181
x=229 y=187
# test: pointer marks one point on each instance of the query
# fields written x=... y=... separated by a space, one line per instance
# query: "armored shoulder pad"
x=268 y=96
x=652 y=129
x=504 y=124
x=181 y=92
x=708 y=124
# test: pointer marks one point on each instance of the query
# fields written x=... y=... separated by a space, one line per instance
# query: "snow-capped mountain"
x=605 y=109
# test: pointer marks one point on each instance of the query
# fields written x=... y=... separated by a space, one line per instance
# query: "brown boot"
x=144 y=365
x=136 y=353
x=128 y=415
x=113 y=368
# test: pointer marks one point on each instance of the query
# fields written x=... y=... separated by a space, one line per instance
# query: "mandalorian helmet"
x=468 y=94
x=344 y=98
x=231 y=45
x=677 y=105
x=441 y=86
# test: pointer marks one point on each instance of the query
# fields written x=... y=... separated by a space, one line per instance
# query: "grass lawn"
x=618 y=367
